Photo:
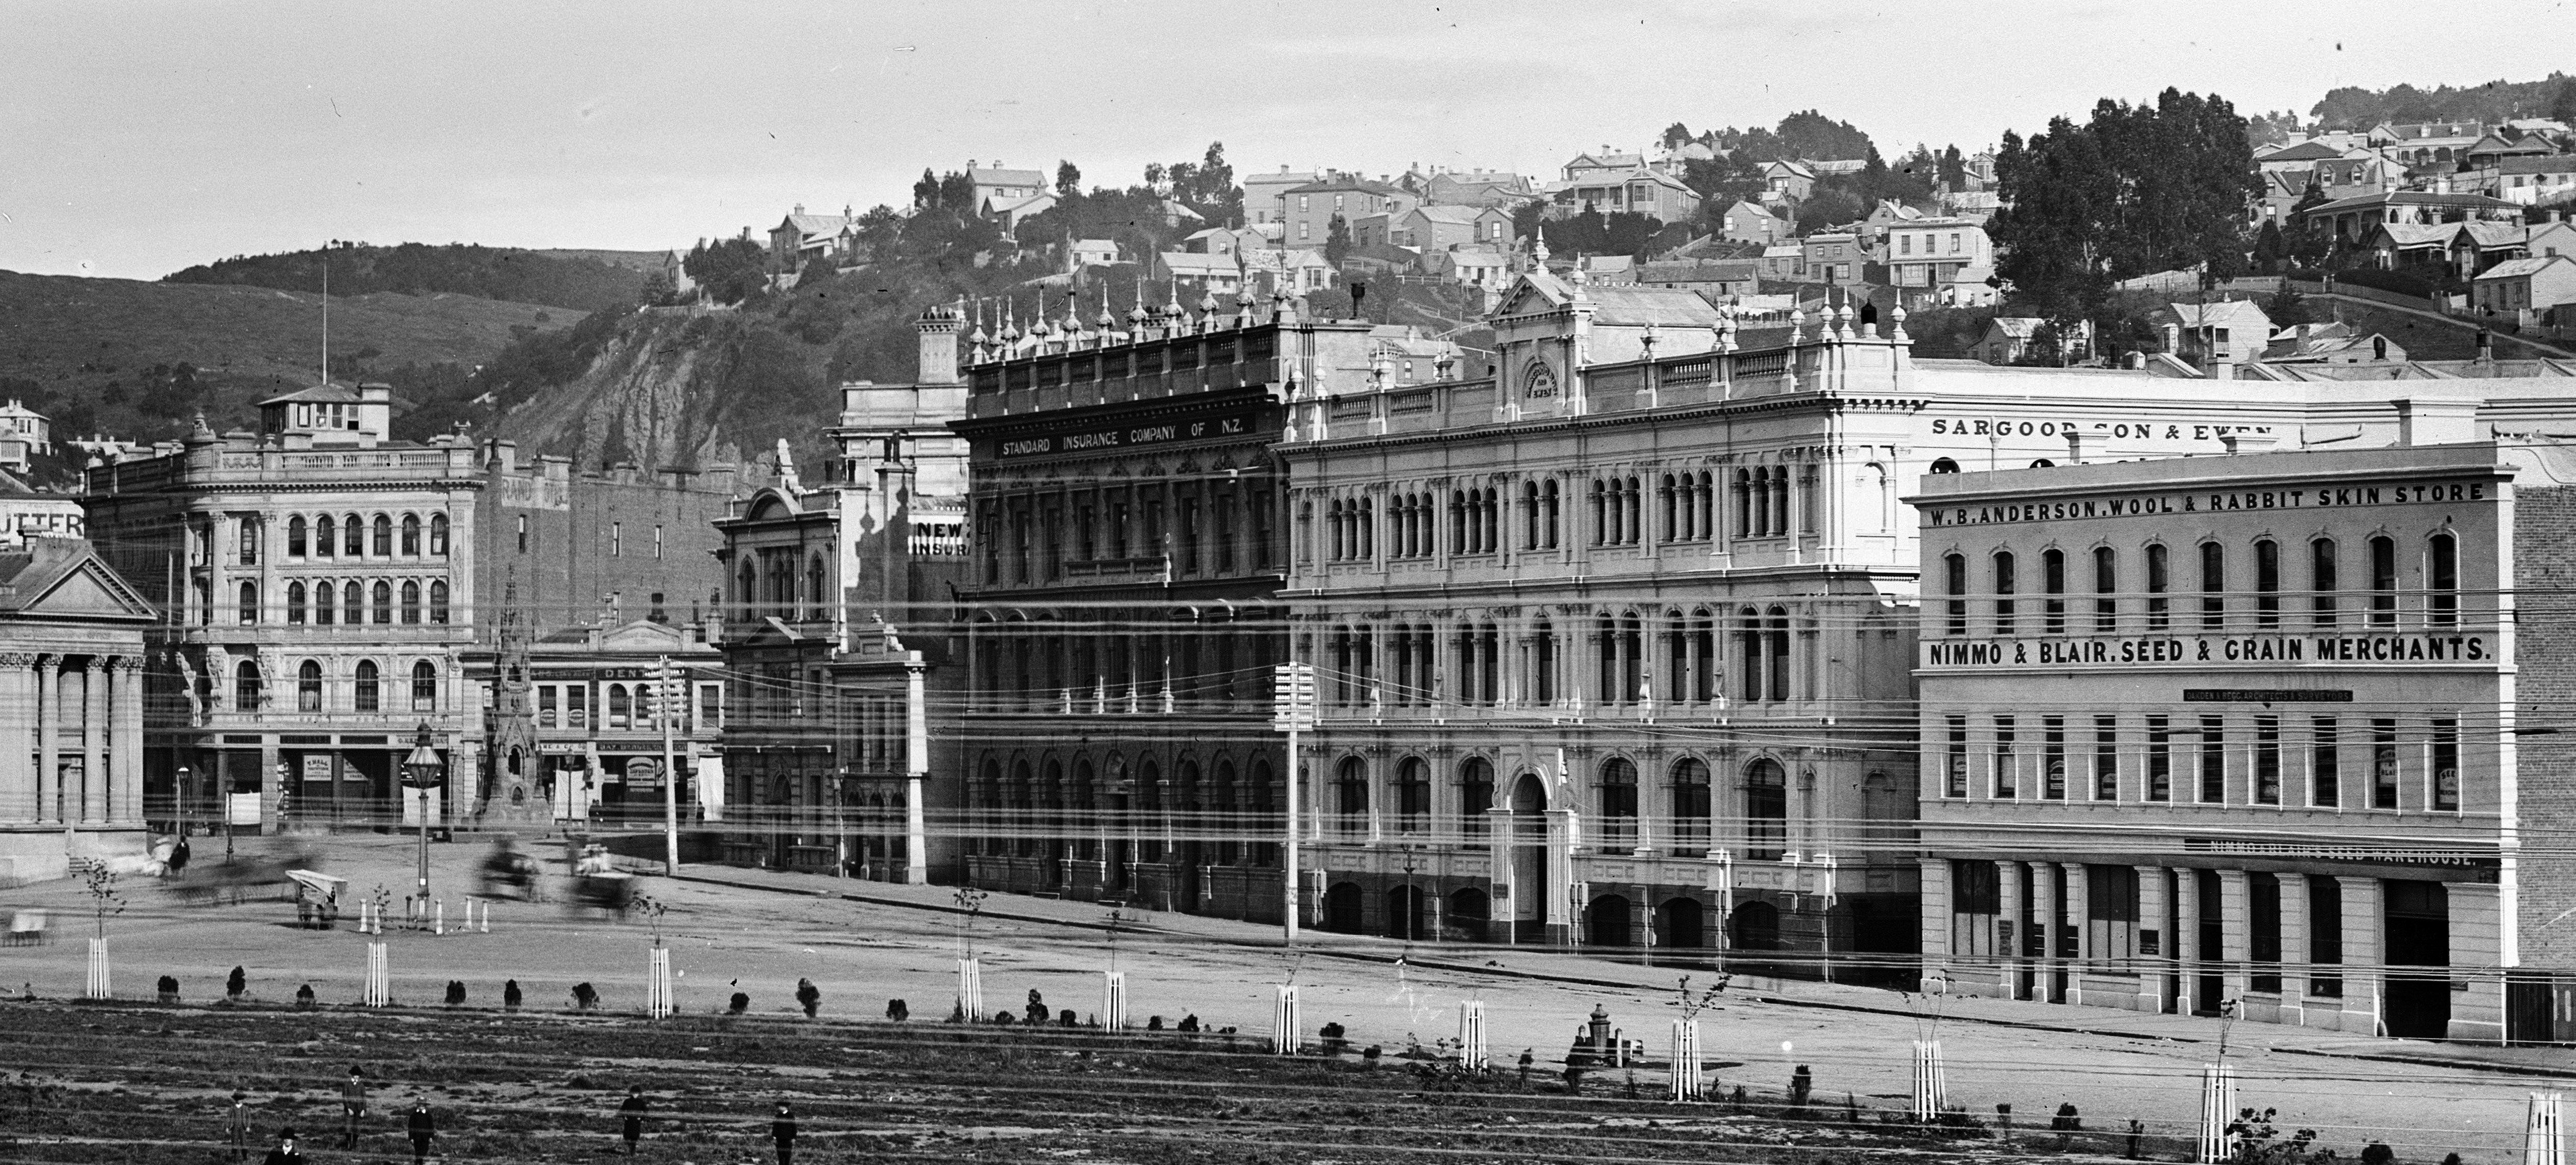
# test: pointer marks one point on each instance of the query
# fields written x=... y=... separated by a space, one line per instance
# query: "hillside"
x=2355 y=108
x=581 y=281
x=135 y=360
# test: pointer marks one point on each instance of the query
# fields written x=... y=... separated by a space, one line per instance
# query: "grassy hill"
x=582 y=281
x=136 y=360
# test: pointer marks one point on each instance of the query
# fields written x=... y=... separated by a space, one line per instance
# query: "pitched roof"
x=1700 y=271
x=1798 y=169
x=992 y=177
x=1660 y=306
x=2225 y=313
x=2520 y=268
x=817 y=224
x=1606 y=161
x=2017 y=327
x=1194 y=263
x=2414 y=198
x=324 y=393
x=1345 y=182
x=65 y=577
x=2302 y=152
x=1457 y=215
x=2551 y=164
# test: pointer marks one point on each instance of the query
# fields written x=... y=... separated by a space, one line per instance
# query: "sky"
x=140 y=137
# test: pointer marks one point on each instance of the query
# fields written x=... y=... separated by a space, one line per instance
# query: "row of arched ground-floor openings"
x=1860 y=939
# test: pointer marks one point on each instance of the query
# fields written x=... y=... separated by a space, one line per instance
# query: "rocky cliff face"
x=683 y=387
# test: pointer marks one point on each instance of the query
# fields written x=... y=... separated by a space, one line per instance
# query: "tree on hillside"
x=1721 y=181
x=1206 y=186
x=1676 y=136
x=1807 y=134
x=2562 y=105
x=2135 y=190
x=1953 y=169
x=1068 y=179
x=730 y=270
x=1828 y=207
x=1337 y=241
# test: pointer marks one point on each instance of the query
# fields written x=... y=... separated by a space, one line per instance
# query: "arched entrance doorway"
x=1342 y=908
x=1606 y=922
x=1468 y=911
x=1407 y=913
x=1757 y=927
x=1680 y=924
x=1529 y=858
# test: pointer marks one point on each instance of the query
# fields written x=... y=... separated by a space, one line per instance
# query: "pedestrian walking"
x=782 y=1129
x=353 y=1106
x=285 y=1153
x=632 y=1116
x=237 y=1131
x=423 y=1129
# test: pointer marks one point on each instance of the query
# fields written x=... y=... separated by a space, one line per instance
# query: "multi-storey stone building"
x=1128 y=551
x=2273 y=729
x=1615 y=642
x=317 y=581
x=836 y=638
x=71 y=709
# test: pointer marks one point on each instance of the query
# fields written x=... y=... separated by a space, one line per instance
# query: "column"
x=2072 y=935
x=1562 y=910
x=2044 y=914
x=2364 y=912
x=1935 y=913
x=49 y=691
x=2186 y=938
x=17 y=736
x=2294 y=948
x=2235 y=921
x=2012 y=924
x=2155 y=967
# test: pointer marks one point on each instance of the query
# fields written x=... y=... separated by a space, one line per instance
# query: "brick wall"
x=2545 y=689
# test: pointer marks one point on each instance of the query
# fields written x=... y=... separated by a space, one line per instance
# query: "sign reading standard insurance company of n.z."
x=2445 y=646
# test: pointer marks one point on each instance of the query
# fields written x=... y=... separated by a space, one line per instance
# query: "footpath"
x=1548 y=966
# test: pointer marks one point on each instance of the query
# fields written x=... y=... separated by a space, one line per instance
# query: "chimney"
x=2436 y=422
x=375 y=413
x=937 y=329
x=2077 y=443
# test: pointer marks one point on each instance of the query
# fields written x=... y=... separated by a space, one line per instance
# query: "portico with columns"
x=71 y=710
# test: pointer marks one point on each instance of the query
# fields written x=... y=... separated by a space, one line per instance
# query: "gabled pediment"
x=88 y=590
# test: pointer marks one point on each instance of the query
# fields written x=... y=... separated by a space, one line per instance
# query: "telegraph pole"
x=670 y=775
x=1292 y=711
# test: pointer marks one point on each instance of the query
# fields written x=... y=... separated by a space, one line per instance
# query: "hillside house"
x=1747 y=222
x=2008 y=339
x=1716 y=280
x=1639 y=191
x=1438 y=228
x=1495 y=188
x=1787 y=180
x=1308 y=210
x=2524 y=290
x=2350 y=219
x=1224 y=241
x=24 y=434
x=1091 y=253
x=1926 y=252
x=1261 y=194
x=1784 y=261
x=1591 y=167
x=2458 y=249
x=2330 y=343
x=2527 y=180
x=993 y=185
x=1834 y=257
x=801 y=237
x=1471 y=265
x=2230 y=331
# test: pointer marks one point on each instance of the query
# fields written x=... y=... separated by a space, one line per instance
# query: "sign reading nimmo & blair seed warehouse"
x=2440 y=646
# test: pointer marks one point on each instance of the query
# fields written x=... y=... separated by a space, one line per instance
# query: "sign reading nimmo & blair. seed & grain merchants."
x=2447 y=645
x=2160 y=504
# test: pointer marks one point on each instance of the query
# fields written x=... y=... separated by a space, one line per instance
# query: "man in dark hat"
x=237 y=1129
x=783 y=1130
x=285 y=1153
x=353 y=1105
x=631 y=1116
x=423 y=1129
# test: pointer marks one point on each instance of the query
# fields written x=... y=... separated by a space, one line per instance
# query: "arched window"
x=1779 y=653
x=1617 y=798
x=621 y=710
x=296 y=537
x=384 y=601
x=1475 y=795
x=246 y=687
x=411 y=535
x=1413 y=796
x=369 y=690
x=2383 y=582
x=326 y=602
x=1351 y=797
x=2159 y=580
x=2213 y=586
x=1691 y=807
x=1748 y=654
x=2052 y=584
x=308 y=687
x=2267 y=584
x=1549 y=500
x=384 y=539
x=353 y=602
x=424 y=687
x=1543 y=663
x=1602 y=514
x=2321 y=582
x=438 y=535
x=1954 y=584
x=814 y=589
x=1766 y=810
x=411 y=601
x=1530 y=516
x=438 y=612
x=326 y=534
x=1944 y=465
x=295 y=602
x=2442 y=580
x=2106 y=590
x=249 y=602
x=2004 y=588
x=353 y=536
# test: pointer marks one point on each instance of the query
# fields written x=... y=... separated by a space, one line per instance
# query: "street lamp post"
x=420 y=770
x=180 y=787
